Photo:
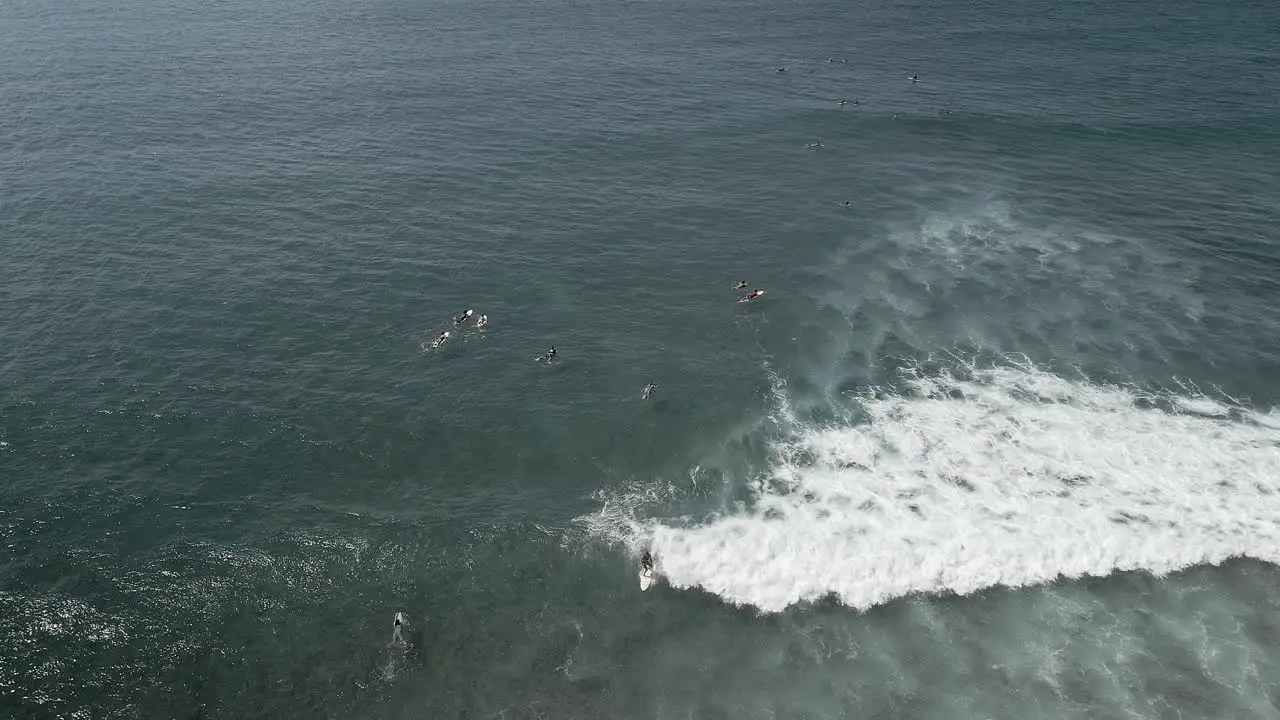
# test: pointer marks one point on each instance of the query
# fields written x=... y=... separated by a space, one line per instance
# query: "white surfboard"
x=646 y=579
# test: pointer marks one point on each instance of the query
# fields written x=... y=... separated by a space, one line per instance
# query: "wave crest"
x=1002 y=476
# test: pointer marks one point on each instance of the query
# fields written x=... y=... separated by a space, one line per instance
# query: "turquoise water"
x=999 y=441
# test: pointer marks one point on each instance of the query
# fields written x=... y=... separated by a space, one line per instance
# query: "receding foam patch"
x=1005 y=476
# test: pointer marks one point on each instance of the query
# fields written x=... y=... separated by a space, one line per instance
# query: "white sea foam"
x=1004 y=476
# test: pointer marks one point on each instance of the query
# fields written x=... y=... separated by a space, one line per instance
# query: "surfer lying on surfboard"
x=751 y=295
x=644 y=394
x=397 y=627
x=440 y=340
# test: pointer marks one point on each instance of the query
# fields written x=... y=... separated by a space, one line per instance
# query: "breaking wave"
x=960 y=480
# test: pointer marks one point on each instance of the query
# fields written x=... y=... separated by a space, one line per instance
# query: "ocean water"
x=1000 y=441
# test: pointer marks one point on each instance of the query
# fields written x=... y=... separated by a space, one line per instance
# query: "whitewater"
x=958 y=480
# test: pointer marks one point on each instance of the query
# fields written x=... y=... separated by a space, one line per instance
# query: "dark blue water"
x=998 y=441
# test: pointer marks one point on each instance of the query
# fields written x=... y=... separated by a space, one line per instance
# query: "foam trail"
x=1007 y=476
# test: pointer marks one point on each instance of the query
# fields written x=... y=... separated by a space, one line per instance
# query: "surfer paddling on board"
x=551 y=354
x=397 y=628
x=751 y=295
x=461 y=318
x=914 y=78
x=644 y=394
x=440 y=340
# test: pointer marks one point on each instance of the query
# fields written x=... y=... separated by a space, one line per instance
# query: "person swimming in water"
x=461 y=318
x=741 y=284
x=397 y=627
x=751 y=295
x=846 y=204
x=550 y=354
x=482 y=321
x=440 y=340
x=644 y=394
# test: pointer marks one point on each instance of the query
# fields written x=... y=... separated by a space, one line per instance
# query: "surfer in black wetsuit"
x=459 y=319
x=550 y=354
x=396 y=628
x=646 y=562
x=647 y=389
